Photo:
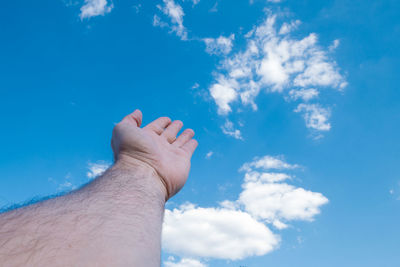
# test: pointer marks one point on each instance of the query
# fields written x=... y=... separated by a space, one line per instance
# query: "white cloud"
x=65 y=185
x=195 y=2
x=209 y=154
x=334 y=45
x=279 y=225
x=215 y=233
x=93 y=8
x=157 y=22
x=175 y=14
x=70 y=3
x=224 y=92
x=229 y=129
x=237 y=229
x=289 y=26
x=267 y=163
x=270 y=177
x=214 y=8
x=315 y=116
x=97 y=168
x=185 y=262
x=319 y=72
x=394 y=191
x=303 y=94
x=137 y=8
x=265 y=197
x=274 y=61
x=219 y=46
x=280 y=201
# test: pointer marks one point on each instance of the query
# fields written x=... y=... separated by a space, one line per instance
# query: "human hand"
x=155 y=146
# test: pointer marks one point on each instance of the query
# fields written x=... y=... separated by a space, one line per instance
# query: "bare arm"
x=113 y=221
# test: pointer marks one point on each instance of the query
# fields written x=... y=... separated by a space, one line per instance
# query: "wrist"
x=141 y=174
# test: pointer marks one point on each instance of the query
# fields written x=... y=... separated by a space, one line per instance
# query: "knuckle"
x=178 y=123
x=189 y=131
x=158 y=129
x=166 y=119
x=171 y=139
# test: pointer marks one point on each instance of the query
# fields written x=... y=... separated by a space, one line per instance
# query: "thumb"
x=134 y=117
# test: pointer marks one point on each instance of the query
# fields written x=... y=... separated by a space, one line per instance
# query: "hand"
x=155 y=146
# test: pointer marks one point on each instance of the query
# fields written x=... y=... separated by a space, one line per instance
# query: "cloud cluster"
x=238 y=229
x=275 y=62
x=93 y=8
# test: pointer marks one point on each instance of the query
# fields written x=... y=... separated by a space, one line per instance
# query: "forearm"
x=115 y=220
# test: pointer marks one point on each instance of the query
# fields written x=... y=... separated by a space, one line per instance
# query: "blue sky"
x=295 y=105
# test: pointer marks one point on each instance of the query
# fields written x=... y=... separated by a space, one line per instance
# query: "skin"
x=116 y=219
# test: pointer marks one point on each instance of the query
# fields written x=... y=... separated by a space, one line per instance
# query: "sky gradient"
x=295 y=104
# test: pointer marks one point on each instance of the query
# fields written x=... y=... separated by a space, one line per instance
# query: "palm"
x=156 y=145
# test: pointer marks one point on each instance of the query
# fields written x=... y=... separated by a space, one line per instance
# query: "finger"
x=158 y=125
x=190 y=146
x=135 y=117
x=184 y=137
x=172 y=130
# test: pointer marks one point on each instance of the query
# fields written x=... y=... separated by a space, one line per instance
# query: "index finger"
x=158 y=125
x=190 y=146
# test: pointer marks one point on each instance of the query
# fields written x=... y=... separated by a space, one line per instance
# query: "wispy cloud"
x=229 y=129
x=214 y=8
x=65 y=185
x=209 y=154
x=334 y=45
x=315 y=116
x=175 y=14
x=97 y=168
x=287 y=27
x=303 y=94
x=270 y=1
x=395 y=191
x=238 y=229
x=194 y=2
x=268 y=162
x=219 y=46
x=93 y=8
x=185 y=262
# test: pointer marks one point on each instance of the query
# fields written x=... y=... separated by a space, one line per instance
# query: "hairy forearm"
x=113 y=221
